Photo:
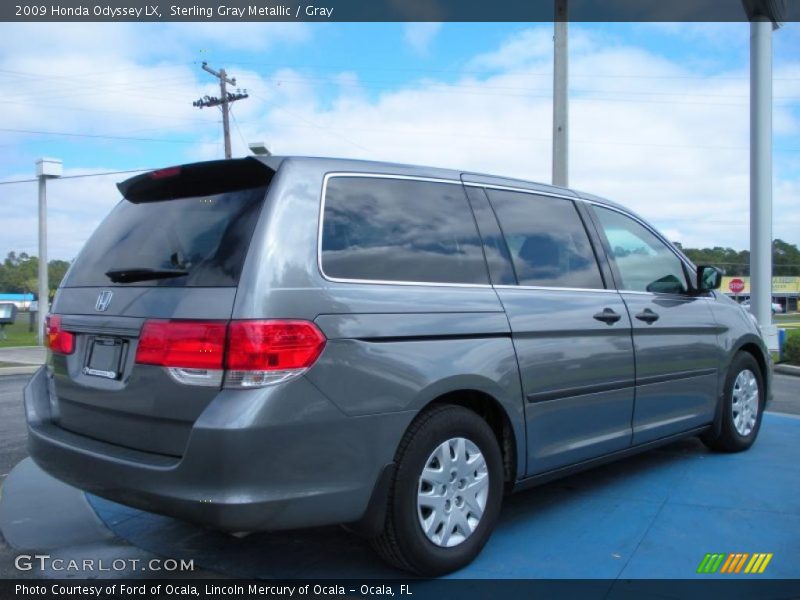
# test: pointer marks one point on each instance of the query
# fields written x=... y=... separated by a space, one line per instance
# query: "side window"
x=548 y=243
x=400 y=230
x=644 y=262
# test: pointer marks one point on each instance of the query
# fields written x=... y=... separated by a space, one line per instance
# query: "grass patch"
x=18 y=334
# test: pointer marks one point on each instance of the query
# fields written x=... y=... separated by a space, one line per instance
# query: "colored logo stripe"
x=734 y=562
x=711 y=563
x=758 y=563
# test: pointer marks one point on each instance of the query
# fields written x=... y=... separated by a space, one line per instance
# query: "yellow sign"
x=780 y=285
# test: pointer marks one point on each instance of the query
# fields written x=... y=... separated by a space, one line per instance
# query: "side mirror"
x=708 y=278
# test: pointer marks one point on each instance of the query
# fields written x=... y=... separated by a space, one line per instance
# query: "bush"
x=791 y=349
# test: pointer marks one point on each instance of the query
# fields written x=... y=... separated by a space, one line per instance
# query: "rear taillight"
x=252 y=353
x=185 y=344
x=58 y=340
x=264 y=352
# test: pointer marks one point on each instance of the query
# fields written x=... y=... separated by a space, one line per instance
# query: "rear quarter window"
x=206 y=236
x=383 y=229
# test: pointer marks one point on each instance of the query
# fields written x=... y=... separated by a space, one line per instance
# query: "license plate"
x=104 y=358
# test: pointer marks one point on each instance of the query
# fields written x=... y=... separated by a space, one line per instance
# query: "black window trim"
x=331 y=175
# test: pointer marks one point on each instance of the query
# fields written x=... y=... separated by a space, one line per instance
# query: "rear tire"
x=743 y=406
x=446 y=493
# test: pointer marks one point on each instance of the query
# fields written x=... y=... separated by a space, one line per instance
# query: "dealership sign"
x=780 y=285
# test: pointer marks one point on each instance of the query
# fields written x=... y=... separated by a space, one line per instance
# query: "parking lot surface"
x=655 y=515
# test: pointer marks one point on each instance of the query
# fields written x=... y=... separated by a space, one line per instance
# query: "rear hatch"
x=173 y=248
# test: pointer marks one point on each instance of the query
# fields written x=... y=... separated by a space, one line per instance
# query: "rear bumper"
x=274 y=458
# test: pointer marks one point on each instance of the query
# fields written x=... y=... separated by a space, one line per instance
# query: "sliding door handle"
x=648 y=316
x=607 y=316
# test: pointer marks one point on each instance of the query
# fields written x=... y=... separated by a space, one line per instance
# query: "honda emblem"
x=103 y=300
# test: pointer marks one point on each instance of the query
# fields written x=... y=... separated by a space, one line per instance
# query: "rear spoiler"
x=200 y=179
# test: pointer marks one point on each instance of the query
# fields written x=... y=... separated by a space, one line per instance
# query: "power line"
x=100 y=136
x=238 y=129
x=544 y=74
x=480 y=87
x=80 y=175
x=106 y=111
x=128 y=88
x=91 y=75
x=478 y=90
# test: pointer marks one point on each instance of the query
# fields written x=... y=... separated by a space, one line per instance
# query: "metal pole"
x=44 y=287
x=761 y=176
x=560 y=108
x=226 y=128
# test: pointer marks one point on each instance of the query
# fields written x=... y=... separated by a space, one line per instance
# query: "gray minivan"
x=274 y=343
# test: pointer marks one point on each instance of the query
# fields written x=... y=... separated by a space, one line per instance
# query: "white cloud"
x=420 y=35
x=518 y=50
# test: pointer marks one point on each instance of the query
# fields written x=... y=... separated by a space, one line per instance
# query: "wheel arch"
x=491 y=410
x=753 y=345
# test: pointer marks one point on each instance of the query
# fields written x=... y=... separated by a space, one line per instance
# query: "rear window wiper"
x=130 y=275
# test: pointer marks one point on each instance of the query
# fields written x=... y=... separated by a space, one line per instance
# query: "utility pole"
x=224 y=101
x=560 y=108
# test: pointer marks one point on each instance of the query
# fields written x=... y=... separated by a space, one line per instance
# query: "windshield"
x=188 y=242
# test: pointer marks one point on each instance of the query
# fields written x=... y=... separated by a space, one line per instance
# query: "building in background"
x=785 y=290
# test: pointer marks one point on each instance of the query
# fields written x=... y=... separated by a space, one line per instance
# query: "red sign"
x=736 y=286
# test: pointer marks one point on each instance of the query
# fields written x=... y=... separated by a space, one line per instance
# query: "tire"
x=737 y=431
x=403 y=542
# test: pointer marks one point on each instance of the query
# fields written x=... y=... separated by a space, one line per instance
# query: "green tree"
x=19 y=273
x=785 y=259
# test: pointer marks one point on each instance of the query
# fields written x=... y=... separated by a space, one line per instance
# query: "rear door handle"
x=607 y=316
x=648 y=316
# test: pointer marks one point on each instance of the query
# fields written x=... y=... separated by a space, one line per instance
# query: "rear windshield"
x=204 y=238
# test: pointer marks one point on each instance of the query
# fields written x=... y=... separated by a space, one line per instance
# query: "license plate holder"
x=105 y=356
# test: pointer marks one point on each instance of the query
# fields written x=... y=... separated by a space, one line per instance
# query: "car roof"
x=371 y=166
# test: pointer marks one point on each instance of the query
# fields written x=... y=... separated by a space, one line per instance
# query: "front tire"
x=743 y=406
x=446 y=493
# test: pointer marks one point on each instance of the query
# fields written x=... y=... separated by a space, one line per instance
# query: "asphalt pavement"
x=786 y=394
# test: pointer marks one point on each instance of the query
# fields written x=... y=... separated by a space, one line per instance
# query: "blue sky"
x=659 y=112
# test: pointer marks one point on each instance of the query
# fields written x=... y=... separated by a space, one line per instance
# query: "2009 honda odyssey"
x=263 y=344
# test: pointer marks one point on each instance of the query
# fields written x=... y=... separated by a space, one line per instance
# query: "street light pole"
x=761 y=176
x=560 y=107
x=46 y=168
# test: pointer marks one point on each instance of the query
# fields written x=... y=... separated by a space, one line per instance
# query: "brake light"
x=58 y=340
x=184 y=344
x=253 y=353
x=165 y=173
x=268 y=352
x=273 y=345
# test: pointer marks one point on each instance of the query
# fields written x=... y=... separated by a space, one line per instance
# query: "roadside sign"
x=736 y=286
